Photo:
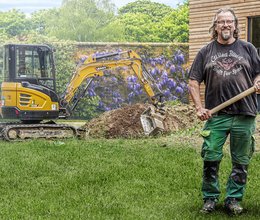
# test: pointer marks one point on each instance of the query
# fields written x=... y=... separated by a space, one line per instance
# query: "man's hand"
x=257 y=85
x=203 y=114
x=194 y=89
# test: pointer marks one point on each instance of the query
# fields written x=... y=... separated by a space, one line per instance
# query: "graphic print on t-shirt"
x=226 y=64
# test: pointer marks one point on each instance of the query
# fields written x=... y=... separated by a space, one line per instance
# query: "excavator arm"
x=95 y=66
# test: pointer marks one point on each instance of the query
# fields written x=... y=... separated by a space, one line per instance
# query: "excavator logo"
x=100 y=68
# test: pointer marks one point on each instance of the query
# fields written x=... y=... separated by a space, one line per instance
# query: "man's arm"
x=194 y=90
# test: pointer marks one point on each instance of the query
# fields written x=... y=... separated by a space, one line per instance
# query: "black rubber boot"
x=235 y=188
x=239 y=173
x=210 y=186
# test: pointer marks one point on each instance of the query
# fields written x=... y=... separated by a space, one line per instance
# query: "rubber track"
x=5 y=129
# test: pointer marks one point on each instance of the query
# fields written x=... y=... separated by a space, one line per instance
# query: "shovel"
x=233 y=100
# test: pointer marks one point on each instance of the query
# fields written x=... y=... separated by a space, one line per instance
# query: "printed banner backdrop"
x=166 y=62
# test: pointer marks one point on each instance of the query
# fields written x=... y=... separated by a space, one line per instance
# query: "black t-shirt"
x=227 y=70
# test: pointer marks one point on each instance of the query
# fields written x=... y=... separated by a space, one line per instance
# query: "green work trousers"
x=216 y=130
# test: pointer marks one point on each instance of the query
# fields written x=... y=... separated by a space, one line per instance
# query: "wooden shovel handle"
x=233 y=100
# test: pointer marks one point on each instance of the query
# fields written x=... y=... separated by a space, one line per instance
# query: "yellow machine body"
x=27 y=103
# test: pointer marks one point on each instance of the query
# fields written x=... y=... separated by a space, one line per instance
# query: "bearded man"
x=227 y=66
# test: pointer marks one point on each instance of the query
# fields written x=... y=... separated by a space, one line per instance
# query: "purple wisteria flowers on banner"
x=120 y=86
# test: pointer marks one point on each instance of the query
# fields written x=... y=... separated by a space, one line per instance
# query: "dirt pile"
x=180 y=117
x=125 y=122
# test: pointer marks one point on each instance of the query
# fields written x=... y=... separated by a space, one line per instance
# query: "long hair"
x=213 y=32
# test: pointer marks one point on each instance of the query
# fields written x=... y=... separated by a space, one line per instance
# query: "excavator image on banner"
x=28 y=92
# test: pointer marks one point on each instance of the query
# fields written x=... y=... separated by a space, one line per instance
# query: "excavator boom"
x=95 y=67
x=152 y=119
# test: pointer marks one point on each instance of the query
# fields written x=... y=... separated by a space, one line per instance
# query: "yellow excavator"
x=28 y=92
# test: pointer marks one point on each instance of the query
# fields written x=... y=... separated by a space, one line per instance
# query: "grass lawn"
x=112 y=179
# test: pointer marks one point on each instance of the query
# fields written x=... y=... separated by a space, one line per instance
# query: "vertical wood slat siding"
x=200 y=19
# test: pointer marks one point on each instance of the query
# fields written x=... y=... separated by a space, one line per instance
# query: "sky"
x=29 y=6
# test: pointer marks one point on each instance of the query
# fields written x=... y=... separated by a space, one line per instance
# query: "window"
x=254 y=32
x=35 y=63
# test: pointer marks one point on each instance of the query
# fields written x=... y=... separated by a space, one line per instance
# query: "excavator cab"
x=28 y=90
x=31 y=63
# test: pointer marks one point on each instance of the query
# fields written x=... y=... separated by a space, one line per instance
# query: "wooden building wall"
x=201 y=15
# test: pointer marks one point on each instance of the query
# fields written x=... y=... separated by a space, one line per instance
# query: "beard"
x=226 y=35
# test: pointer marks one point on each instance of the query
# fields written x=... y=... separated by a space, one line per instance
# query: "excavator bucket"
x=152 y=121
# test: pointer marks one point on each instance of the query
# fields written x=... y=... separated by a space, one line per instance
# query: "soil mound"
x=125 y=122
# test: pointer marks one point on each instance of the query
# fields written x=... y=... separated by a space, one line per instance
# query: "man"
x=227 y=66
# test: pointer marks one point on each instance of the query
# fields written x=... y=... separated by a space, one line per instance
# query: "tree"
x=147 y=21
x=96 y=20
x=13 y=23
x=175 y=26
x=139 y=28
x=141 y=20
x=152 y=9
x=43 y=20
x=84 y=20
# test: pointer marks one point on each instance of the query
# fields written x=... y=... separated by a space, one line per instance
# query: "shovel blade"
x=152 y=121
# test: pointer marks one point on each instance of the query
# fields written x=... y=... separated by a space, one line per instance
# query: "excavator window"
x=34 y=64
